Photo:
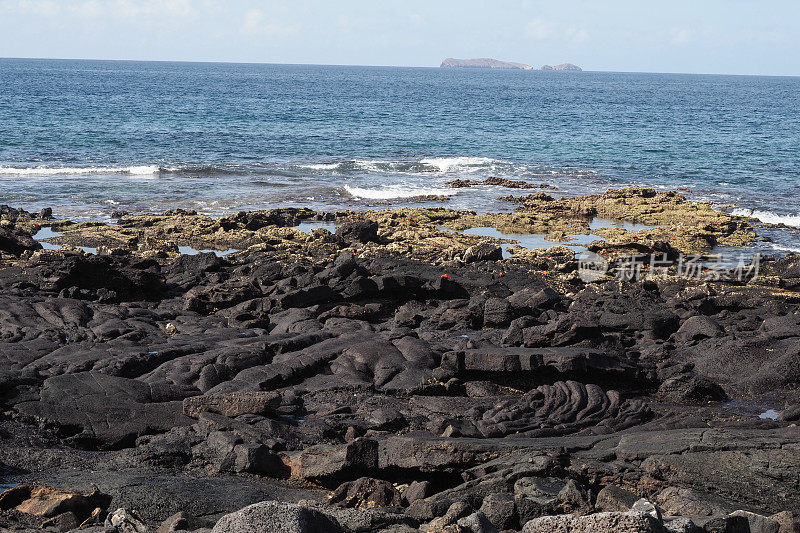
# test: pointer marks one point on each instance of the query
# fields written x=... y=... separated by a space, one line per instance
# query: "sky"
x=694 y=36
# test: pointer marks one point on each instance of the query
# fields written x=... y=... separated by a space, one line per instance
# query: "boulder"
x=366 y=492
x=125 y=521
x=496 y=312
x=183 y=521
x=15 y=241
x=258 y=459
x=337 y=462
x=47 y=502
x=500 y=510
x=529 y=299
x=758 y=523
x=615 y=498
x=788 y=521
x=278 y=517
x=697 y=328
x=417 y=490
x=610 y=522
x=233 y=404
x=358 y=232
x=476 y=523
x=483 y=252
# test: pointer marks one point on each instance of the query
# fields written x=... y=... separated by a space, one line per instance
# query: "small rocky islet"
x=395 y=374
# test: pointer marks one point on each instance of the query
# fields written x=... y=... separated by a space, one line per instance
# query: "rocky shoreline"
x=396 y=374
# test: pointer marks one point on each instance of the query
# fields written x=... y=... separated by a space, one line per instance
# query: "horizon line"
x=389 y=66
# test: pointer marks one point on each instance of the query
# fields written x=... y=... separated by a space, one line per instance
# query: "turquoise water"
x=92 y=137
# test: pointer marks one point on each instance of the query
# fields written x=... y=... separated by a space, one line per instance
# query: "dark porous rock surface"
x=393 y=376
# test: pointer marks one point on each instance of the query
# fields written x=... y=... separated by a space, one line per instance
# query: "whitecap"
x=769 y=217
x=138 y=170
x=780 y=248
x=320 y=166
x=396 y=191
x=446 y=164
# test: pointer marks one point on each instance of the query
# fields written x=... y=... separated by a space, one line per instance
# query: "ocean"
x=88 y=138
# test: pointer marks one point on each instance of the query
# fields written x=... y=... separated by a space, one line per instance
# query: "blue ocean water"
x=91 y=137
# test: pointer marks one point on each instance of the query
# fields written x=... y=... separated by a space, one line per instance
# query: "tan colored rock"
x=232 y=404
x=788 y=521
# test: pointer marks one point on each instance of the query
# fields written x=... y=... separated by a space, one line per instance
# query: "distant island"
x=487 y=62
x=563 y=66
x=483 y=62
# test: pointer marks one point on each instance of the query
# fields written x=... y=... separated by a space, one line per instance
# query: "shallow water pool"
x=188 y=250
x=307 y=226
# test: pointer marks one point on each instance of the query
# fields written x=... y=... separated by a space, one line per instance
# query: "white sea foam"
x=784 y=248
x=446 y=164
x=396 y=191
x=137 y=170
x=320 y=166
x=769 y=217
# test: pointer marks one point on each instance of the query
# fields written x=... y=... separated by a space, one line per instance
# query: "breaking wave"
x=396 y=191
x=446 y=164
x=769 y=217
x=136 y=170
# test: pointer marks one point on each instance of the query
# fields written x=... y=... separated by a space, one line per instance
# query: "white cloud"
x=680 y=36
x=542 y=30
x=577 y=35
x=45 y=8
x=139 y=10
x=539 y=29
x=256 y=23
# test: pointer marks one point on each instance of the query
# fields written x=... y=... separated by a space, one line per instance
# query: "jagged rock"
x=687 y=502
x=50 y=503
x=63 y=522
x=496 y=312
x=500 y=510
x=758 y=523
x=233 y=404
x=277 y=516
x=615 y=498
x=530 y=299
x=258 y=459
x=691 y=388
x=15 y=241
x=365 y=493
x=790 y=414
x=611 y=522
x=644 y=506
x=727 y=524
x=476 y=523
x=483 y=252
x=183 y=522
x=125 y=521
x=363 y=232
x=339 y=462
x=681 y=525
x=697 y=328
x=417 y=490
x=788 y=522
x=454 y=513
